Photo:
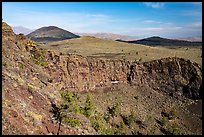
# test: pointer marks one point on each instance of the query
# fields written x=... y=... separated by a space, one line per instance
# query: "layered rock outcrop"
x=175 y=76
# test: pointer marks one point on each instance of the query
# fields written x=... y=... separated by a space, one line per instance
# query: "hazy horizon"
x=137 y=19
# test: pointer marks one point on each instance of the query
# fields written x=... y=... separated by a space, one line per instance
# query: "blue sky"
x=140 y=19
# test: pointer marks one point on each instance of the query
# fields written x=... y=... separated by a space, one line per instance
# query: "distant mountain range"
x=49 y=34
x=23 y=30
x=158 y=41
x=192 y=39
x=109 y=36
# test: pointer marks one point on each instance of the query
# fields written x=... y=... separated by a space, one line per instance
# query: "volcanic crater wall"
x=175 y=76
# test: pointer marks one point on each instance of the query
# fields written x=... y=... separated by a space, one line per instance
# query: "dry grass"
x=108 y=49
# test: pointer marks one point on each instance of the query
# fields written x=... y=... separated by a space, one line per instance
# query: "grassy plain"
x=108 y=49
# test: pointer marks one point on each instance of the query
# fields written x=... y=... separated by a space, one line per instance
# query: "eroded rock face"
x=82 y=74
x=175 y=76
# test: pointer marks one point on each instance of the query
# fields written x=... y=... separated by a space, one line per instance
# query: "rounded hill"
x=50 y=33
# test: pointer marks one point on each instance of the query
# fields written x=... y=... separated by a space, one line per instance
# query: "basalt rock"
x=174 y=76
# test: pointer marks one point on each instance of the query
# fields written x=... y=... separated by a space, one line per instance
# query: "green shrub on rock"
x=88 y=108
x=71 y=121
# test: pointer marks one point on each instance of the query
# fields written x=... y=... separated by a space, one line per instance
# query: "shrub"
x=76 y=108
x=174 y=130
x=67 y=96
x=30 y=89
x=61 y=115
x=118 y=130
x=170 y=115
x=88 y=109
x=69 y=105
x=30 y=43
x=70 y=102
x=4 y=64
x=21 y=65
x=107 y=117
x=163 y=121
x=56 y=112
x=71 y=121
x=98 y=122
x=121 y=125
x=108 y=131
x=38 y=57
x=40 y=61
x=95 y=124
x=128 y=120
x=114 y=110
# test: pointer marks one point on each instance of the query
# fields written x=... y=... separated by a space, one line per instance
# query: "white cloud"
x=154 y=4
x=77 y=22
x=158 y=22
x=176 y=28
x=152 y=29
x=157 y=29
x=152 y=21
x=163 y=31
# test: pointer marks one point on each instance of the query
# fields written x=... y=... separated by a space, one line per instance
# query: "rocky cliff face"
x=175 y=76
x=33 y=77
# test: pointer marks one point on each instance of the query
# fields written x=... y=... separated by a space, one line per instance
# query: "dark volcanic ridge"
x=158 y=41
x=50 y=33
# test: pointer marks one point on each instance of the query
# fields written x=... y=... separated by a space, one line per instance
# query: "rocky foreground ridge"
x=32 y=79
